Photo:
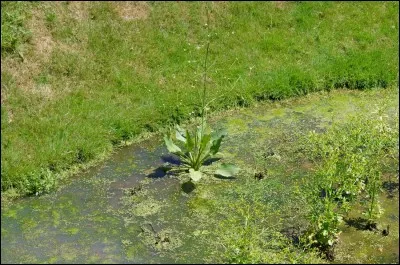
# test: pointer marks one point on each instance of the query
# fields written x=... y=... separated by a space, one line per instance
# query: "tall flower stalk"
x=199 y=146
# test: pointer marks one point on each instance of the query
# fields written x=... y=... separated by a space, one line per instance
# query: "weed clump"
x=350 y=159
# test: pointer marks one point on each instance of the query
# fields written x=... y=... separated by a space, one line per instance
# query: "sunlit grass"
x=106 y=79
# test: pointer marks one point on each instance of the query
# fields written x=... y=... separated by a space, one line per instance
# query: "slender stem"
x=204 y=89
x=203 y=100
x=371 y=209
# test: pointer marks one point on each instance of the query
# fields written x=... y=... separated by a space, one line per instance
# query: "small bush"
x=351 y=157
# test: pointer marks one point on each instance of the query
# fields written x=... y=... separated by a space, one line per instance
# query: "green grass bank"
x=79 y=78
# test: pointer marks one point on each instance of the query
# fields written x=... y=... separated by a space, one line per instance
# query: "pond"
x=129 y=210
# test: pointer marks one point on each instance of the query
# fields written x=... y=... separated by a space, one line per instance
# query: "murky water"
x=127 y=210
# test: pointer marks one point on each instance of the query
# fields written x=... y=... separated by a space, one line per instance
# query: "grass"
x=90 y=77
x=13 y=15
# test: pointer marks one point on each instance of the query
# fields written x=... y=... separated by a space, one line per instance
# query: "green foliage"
x=51 y=18
x=325 y=217
x=13 y=30
x=252 y=219
x=40 y=183
x=199 y=147
x=373 y=210
x=350 y=158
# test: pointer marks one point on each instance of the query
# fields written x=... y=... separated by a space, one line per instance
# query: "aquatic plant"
x=326 y=212
x=198 y=148
x=349 y=158
x=200 y=145
x=325 y=217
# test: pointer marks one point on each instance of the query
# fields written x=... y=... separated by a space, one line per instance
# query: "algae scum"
x=128 y=210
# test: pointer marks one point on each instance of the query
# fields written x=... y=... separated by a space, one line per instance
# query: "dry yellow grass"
x=131 y=10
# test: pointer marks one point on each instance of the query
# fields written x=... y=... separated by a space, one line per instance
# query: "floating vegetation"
x=147 y=207
x=260 y=216
x=163 y=240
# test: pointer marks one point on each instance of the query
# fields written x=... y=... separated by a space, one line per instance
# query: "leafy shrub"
x=350 y=161
x=40 y=182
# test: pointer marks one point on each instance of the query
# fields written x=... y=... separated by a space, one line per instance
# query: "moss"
x=11 y=213
x=52 y=260
x=148 y=207
x=29 y=224
x=164 y=240
x=133 y=252
x=356 y=245
x=72 y=230
x=235 y=126
x=56 y=218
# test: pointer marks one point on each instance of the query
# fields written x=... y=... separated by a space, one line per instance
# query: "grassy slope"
x=92 y=74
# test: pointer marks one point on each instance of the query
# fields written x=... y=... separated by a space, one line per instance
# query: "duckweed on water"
x=220 y=220
x=147 y=207
x=163 y=240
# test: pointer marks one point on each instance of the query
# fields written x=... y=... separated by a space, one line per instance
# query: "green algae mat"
x=130 y=209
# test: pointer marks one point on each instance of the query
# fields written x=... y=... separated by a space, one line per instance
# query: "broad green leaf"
x=215 y=146
x=205 y=140
x=198 y=134
x=189 y=141
x=227 y=170
x=171 y=146
x=205 y=147
x=195 y=175
x=180 y=134
x=184 y=159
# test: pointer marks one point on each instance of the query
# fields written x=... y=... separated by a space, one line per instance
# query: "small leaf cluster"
x=197 y=148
